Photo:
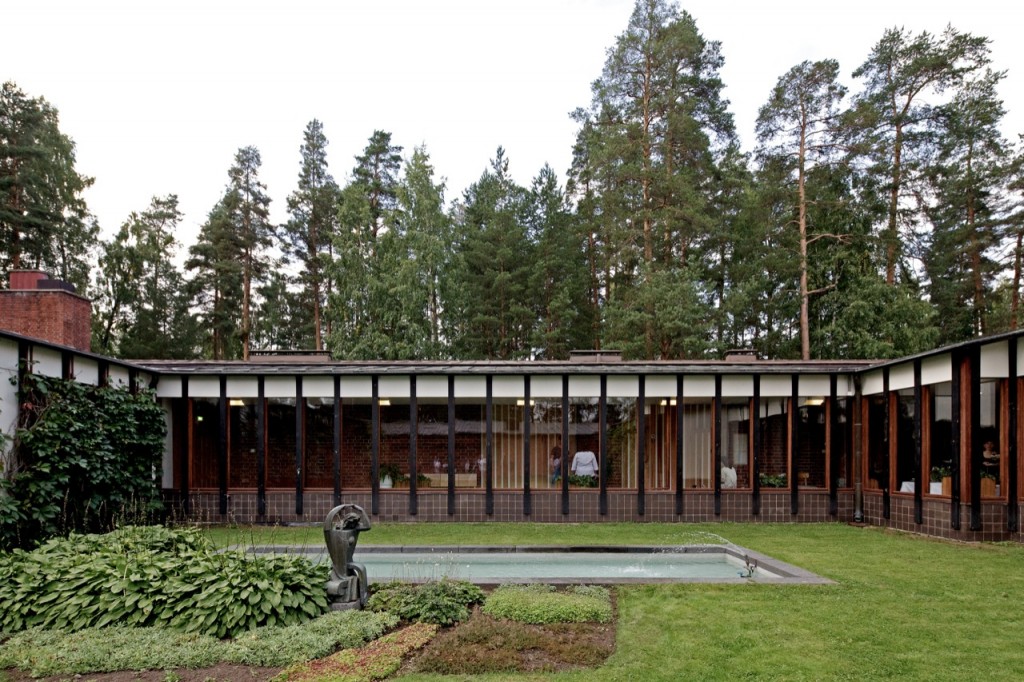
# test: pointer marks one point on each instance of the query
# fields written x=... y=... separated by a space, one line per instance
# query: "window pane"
x=774 y=456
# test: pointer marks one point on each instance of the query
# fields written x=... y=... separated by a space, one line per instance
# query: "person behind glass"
x=989 y=457
x=556 y=464
x=584 y=463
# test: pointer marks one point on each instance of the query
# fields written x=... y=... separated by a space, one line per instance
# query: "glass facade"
x=515 y=458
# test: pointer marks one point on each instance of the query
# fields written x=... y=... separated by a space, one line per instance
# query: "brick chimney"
x=46 y=309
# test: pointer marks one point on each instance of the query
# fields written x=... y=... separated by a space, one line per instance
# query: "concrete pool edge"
x=783 y=573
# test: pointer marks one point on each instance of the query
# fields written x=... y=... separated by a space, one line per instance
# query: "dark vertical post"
x=527 y=419
x=974 y=361
x=300 y=442
x=186 y=452
x=374 y=445
x=955 y=407
x=451 y=445
x=602 y=410
x=680 y=477
x=641 y=445
x=563 y=473
x=716 y=469
x=336 y=450
x=24 y=366
x=857 y=420
x=489 y=448
x=222 y=446
x=133 y=381
x=103 y=374
x=261 y=447
x=887 y=447
x=921 y=480
x=755 y=456
x=794 y=426
x=833 y=445
x=413 y=432
x=1012 y=504
x=65 y=365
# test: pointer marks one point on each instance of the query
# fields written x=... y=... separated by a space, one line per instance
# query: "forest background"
x=870 y=223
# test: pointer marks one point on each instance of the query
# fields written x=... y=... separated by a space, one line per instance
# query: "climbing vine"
x=83 y=458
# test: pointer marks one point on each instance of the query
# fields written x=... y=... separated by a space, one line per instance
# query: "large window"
x=584 y=439
x=940 y=439
x=842 y=441
x=507 y=426
x=773 y=458
x=622 y=443
x=318 y=470
x=205 y=436
x=878 y=443
x=989 y=437
x=906 y=471
x=242 y=437
x=660 y=450
x=356 y=443
x=281 y=443
x=735 y=443
x=697 y=453
x=546 y=450
x=809 y=451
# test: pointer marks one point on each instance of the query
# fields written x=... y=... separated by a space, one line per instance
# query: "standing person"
x=584 y=463
x=556 y=464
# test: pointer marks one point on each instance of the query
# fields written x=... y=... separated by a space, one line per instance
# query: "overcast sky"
x=159 y=95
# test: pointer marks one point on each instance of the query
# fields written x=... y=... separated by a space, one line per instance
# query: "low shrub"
x=377 y=660
x=44 y=652
x=281 y=646
x=444 y=602
x=541 y=604
x=155 y=576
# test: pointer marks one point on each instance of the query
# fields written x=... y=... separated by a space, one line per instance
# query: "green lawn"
x=904 y=607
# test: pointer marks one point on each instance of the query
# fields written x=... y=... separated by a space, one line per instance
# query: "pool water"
x=490 y=566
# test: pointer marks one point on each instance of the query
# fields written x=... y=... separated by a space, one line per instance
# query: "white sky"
x=159 y=95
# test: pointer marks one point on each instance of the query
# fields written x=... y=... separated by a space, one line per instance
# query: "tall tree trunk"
x=892 y=230
x=805 y=323
x=1015 y=295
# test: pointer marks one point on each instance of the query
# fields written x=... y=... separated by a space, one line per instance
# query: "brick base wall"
x=546 y=507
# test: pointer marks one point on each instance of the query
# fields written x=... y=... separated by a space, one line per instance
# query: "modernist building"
x=927 y=443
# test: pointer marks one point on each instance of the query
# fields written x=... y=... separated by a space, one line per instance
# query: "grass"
x=903 y=607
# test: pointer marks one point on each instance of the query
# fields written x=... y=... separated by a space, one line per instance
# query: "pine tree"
x=905 y=75
x=44 y=222
x=309 y=233
x=969 y=178
x=655 y=130
x=215 y=260
x=799 y=129
x=558 y=281
x=249 y=210
x=490 y=315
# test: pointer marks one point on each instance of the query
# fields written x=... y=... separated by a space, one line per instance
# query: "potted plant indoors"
x=772 y=480
x=388 y=475
x=940 y=483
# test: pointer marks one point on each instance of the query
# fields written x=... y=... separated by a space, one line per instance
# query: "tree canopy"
x=875 y=215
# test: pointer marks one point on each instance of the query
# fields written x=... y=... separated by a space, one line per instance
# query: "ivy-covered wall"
x=82 y=458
